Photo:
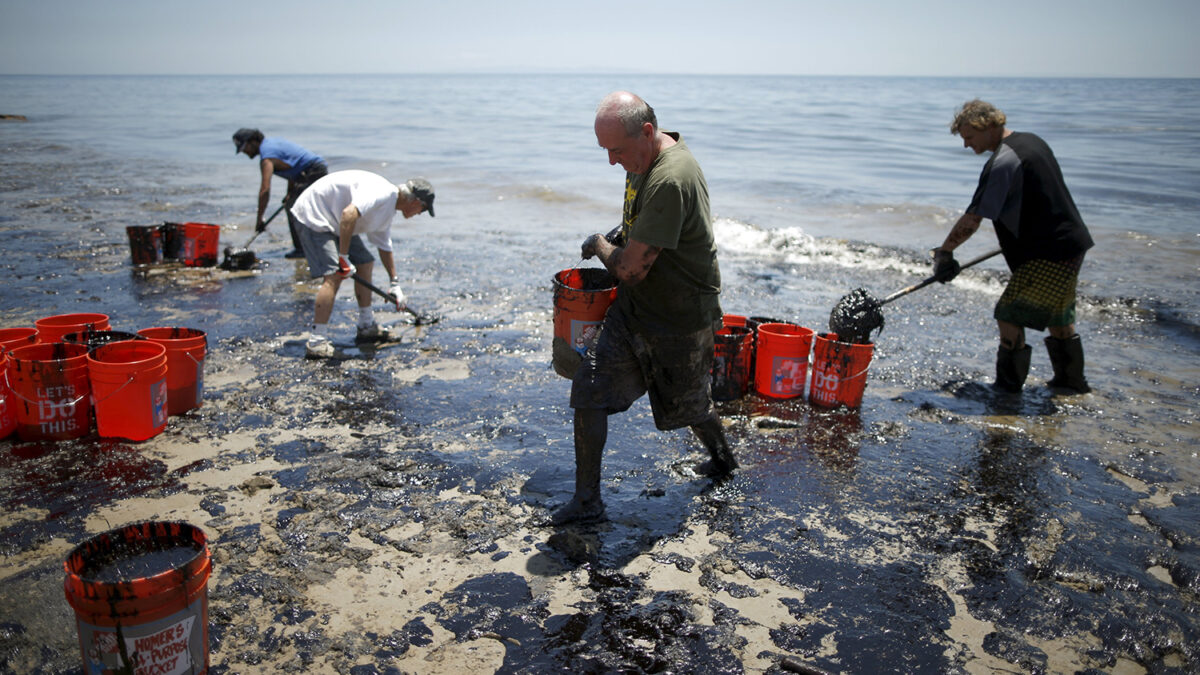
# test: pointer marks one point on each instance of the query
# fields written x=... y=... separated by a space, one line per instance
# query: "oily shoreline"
x=379 y=514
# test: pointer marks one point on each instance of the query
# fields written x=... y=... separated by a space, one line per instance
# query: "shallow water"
x=1061 y=529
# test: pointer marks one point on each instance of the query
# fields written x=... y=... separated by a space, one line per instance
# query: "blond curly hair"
x=979 y=114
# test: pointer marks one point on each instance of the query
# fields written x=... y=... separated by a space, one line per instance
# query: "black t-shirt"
x=1021 y=190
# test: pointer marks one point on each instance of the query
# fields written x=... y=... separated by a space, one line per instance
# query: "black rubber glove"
x=945 y=267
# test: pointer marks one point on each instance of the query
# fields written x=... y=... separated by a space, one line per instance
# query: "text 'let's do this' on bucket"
x=839 y=375
x=71 y=373
x=50 y=391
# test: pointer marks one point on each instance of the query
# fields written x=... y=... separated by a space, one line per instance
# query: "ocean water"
x=819 y=185
x=866 y=160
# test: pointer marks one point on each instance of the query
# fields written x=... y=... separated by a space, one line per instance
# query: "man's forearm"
x=962 y=231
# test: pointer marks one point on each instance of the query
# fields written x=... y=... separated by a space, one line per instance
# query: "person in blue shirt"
x=287 y=160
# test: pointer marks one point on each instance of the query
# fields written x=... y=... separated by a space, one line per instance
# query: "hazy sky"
x=1117 y=38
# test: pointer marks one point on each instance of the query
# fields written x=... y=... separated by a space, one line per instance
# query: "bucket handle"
x=81 y=397
x=132 y=377
x=812 y=364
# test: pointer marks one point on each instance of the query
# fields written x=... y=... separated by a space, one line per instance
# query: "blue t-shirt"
x=295 y=156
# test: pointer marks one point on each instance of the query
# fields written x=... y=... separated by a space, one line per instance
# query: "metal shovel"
x=243 y=258
x=419 y=318
x=859 y=313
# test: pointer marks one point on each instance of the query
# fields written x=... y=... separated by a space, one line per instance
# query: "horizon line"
x=592 y=73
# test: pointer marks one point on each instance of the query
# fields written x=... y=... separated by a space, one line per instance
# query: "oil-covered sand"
x=379 y=514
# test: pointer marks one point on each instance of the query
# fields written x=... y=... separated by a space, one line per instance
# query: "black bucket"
x=98 y=338
x=145 y=244
x=733 y=347
x=172 y=236
x=753 y=323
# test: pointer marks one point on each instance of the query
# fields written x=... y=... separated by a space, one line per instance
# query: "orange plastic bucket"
x=733 y=346
x=186 y=348
x=198 y=244
x=50 y=388
x=781 y=359
x=839 y=372
x=11 y=338
x=53 y=328
x=129 y=385
x=145 y=244
x=8 y=405
x=581 y=298
x=140 y=595
x=728 y=320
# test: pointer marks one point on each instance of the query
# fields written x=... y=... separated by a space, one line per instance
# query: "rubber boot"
x=712 y=436
x=591 y=430
x=1012 y=367
x=1066 y=357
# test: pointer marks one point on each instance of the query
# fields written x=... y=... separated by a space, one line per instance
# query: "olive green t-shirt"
x=668 y=207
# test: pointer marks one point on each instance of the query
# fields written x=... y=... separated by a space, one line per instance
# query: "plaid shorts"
x=622 y=365
x=1041 y=293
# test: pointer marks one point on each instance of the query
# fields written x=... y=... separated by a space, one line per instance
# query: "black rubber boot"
x=1066 y=356
x=1012 y=367
x=591 y=432
x=712 y=436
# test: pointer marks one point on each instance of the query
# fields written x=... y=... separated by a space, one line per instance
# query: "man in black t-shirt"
x=1042 y=236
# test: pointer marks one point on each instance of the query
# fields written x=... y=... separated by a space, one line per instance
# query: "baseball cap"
x=422 y=190
x=244 y=136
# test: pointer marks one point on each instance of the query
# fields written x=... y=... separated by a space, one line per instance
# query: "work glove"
x=945 y=267
x=589 y=247
x=398 y=293
x=345 y=268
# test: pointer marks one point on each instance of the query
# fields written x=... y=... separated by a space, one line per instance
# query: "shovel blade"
x=238 y=259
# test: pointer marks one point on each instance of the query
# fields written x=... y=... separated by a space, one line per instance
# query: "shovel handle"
x=382 y=293
x=265 y=224
x=392 y=299
x=918 y=286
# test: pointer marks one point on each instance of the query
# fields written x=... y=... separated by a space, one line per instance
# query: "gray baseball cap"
x=423 y=191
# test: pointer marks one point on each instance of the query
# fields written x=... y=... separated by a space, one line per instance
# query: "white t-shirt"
x=320 y=206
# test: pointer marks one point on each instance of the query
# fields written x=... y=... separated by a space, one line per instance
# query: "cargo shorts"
x=321 y=251
x=622 y=365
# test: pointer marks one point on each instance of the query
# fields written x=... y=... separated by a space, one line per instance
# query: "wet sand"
x=379 y=514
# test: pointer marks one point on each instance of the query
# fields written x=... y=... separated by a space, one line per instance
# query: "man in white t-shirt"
x=336 y=213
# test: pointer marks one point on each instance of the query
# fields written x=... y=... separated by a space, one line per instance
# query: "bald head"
x=627 y=129
x=627 y=109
